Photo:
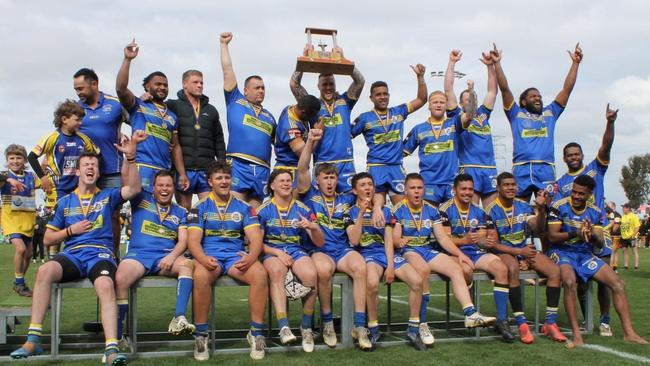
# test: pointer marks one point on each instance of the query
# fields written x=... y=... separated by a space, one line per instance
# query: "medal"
x=197 y=126
x=283 y=235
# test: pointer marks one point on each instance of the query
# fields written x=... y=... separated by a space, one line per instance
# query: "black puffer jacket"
x=200 y=146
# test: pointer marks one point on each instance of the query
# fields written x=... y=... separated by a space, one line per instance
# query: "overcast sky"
x=45 y=42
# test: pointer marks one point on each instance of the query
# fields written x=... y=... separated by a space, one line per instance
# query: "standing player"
x=630 y=225
x=155 y=119
x=216 y=229
x=614 y=219
x=336 y=147
x=533 y=128
x=199 y=133
x=514 y=221
x=574 y=227
x=475 y=147
x=383 y=129
x=250 y=130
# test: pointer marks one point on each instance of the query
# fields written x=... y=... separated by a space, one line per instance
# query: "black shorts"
x=627 y=243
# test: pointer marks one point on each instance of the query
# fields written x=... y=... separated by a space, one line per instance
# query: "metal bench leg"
x=477 y=304
x=212 y=319
x=447 y=307
x=389 y=308
x=133 y=317
x=589 y=317
x=536 y=330
x=55 y=313
x=347 y=313
x=3 y=329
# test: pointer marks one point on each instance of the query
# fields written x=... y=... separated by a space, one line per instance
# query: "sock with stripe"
x=111 y=346
x=307 y=319
x=256 y=329
x=19 y=278
x=414 y=325
x=373 y=327
x=359 y=319
x=201 y=329
x=326 y=317
x=283 y=321
x=552 y=303
x=517 y=306
x=34 y=333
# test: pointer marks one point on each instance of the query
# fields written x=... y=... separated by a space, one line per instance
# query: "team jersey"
x=438 y=149
x=336 y=144
x=629 y=223
x=97 y=208
x=417 y=225
x=533 y=134
x=154 y=228
x=511 y=223
x=383 y=133
x=160 y=124
x=475 y=148
x=372 y=239
x=289 y=128
x=330 y=215
x=250 y=130
x=19 y=208
x=463 y=222
x=280 y=224
x=562 y=213
x=62 y=153
x=102 y=126
x=222 y=225
x=596 y=169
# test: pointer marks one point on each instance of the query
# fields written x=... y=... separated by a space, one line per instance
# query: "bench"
x=8 y=317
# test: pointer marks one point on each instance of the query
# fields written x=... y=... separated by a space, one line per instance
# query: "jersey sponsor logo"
x=231 y=234
x=332 y=121
x=387 y=137
x=534 y=133
x=257 y=124
x=480 y=130
x=159 y=132
x=439 y=147
x=152 y=229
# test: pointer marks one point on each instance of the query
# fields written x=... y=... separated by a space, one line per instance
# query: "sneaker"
x=361 y=335
x=525 y=335
x=124 y=345
x=34 y=261
x=416 y=341
x=27 y=349
x=201 y=352
x=286 y=336
x=425 y=334
x=114 y=359
x=329 y=334
x=502 y=327
x=179 y=325
x=258 y=344
x=605 y=330
x=374 y=337
x=22 y=290
x=479 y=320
x=307 y=340
x=553 y=332
x=43 y=260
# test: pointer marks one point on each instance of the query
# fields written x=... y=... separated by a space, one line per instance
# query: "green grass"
x=156 y=307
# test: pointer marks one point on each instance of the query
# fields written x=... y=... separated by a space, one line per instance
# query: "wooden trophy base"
x=340 y=66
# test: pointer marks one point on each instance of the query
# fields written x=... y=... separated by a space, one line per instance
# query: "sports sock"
x=500 y=294
x=423 y=307
x=122 y=309
x=183 y=293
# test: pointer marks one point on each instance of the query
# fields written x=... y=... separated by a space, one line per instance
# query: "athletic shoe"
x=425 y=334
x=179 y=325
x=329 y=334
x=201 y=352
x=605 y=330
x=27 y=349
x=43 y=260
x=124 y=345
x=286 y=336
x=114 y=359
x=416 y=341
x=258 y=344
x=553 y=332
x=307 y=340
x=502 y=327
x=479 y=320
x=34 y=261
x=525 y=335
x=361 y=335
x=22 y=290
x=374 y=337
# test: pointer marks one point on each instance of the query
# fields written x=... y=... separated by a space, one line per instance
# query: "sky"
x=45 y=42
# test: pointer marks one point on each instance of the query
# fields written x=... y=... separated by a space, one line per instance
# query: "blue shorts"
x=437 y=193
x=485 y=179
x=88 y=257
x=335 y=253
x=388 y=178
x=295 y=251
x=249 y=177
x=113 y=180
x=585 y=265
x=150 y=261
x=379 y=257
x=26 y=239
x=474 y=255
x=531 y=177
x=198 y=182
x=346 y=172
x=424 y=251
x=147 y=175
x=606 y=250
x=226 y=259
x=293 y=171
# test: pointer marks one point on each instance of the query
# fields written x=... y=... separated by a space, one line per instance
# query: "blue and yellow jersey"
x=330 y=215
x=463 y=222
x=19 y=208
x=372 y=238
x=596 y=169
x=154 y=228
x=97 y=208
x=511 y=222
x=336 y=144
x=533 y=134
x=562 y=213
x=62 y=153
x=384 y=133
x=475 y=148
x=160 y=124
x=280 y=224
x=250 y=130
x=102 y=126
x=290 y=128
x=222 y=224
x=417 y=225
x=438 y=149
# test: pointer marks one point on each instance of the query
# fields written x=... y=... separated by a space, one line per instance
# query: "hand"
x=486 y=242
x=305 y=223
x=462 y=258
x=585 y=231
x=419 y=69
x=16 y=185
x=131 y=50
x=470 y=85
x=455 y=55
x=472 y=238
x=46 y=184
x=146 y=97
x=486 y=58
x=378 y=219
x=245 y=261
x=225 y=37
x=80 y=227
x=316 y=133
x=308 y=47
x=610 y=114
x=210 y=263
x=496 y=54
x=541 y=198
x=528 y=252
x=576 y=55
x=129 y=146
x=401 y=243
x=285 y=258
x=524 y=265
x=167 y=262
x=389 y=274
x=338 y=50
x=183 y=182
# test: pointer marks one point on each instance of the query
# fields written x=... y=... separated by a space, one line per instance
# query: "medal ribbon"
x=433 y=130
x=288 y=211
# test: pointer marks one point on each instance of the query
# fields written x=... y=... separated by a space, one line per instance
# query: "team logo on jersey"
x=555 y=258
x=520 y=218
x=294 y=223
x=61 y=148
x=104 y=255
x=426 y=223
x=98 y=206
x=550 y=188
x=592 y=265
x=174 y=219
x=473 y=223
x=107 y=108
x=493 y=182
x=399 y=187
x=236 y=217
x=339 y=208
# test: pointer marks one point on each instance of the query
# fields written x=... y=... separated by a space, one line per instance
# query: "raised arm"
x=608 y=136
x=454 y=56
x=506 y=94
x=469 y=109
x=127 y=99
x=354 y=91
x=229 y=79
x=179 y=164
x=492 y=90
x=128 y=147
x=304 y=177
x=421 y=97
x=537 y=223
x=295 y=84
x=576 y=57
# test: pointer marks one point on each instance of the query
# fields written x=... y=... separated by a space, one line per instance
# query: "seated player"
x=83 y=220
x=469 y=226
x=574 y=227
x=157 y=246
x=376 y=247
x=286 y=224
x=512 y=220
x=216 y=229
x=418 y=227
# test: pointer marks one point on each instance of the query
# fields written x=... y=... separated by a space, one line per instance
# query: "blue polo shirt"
x=102 y=125
x=336 y=144
x=160 y=124
x=383 y=133
x=533 y=134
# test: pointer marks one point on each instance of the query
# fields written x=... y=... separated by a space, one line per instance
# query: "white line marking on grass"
x=621 y=354
x=435 y=310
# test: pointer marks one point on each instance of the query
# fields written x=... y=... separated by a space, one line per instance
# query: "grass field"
x=156 y=307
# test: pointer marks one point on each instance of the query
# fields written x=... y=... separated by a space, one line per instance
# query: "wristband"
x=68 y=232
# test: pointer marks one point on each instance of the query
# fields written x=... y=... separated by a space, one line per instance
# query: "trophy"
x=324 y=62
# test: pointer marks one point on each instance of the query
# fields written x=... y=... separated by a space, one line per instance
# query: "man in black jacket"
x=199 y=133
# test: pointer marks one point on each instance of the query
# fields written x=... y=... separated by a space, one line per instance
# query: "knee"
x=20 y=250
x=104 y=285
x=569 y=284
x=416 y=284
x=324 y=273
x=309 y=279
x=618 y=286
x=372 y=285
x=359 y=270
x=277 y=274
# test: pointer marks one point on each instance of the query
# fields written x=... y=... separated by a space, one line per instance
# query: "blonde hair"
x=15 y=149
